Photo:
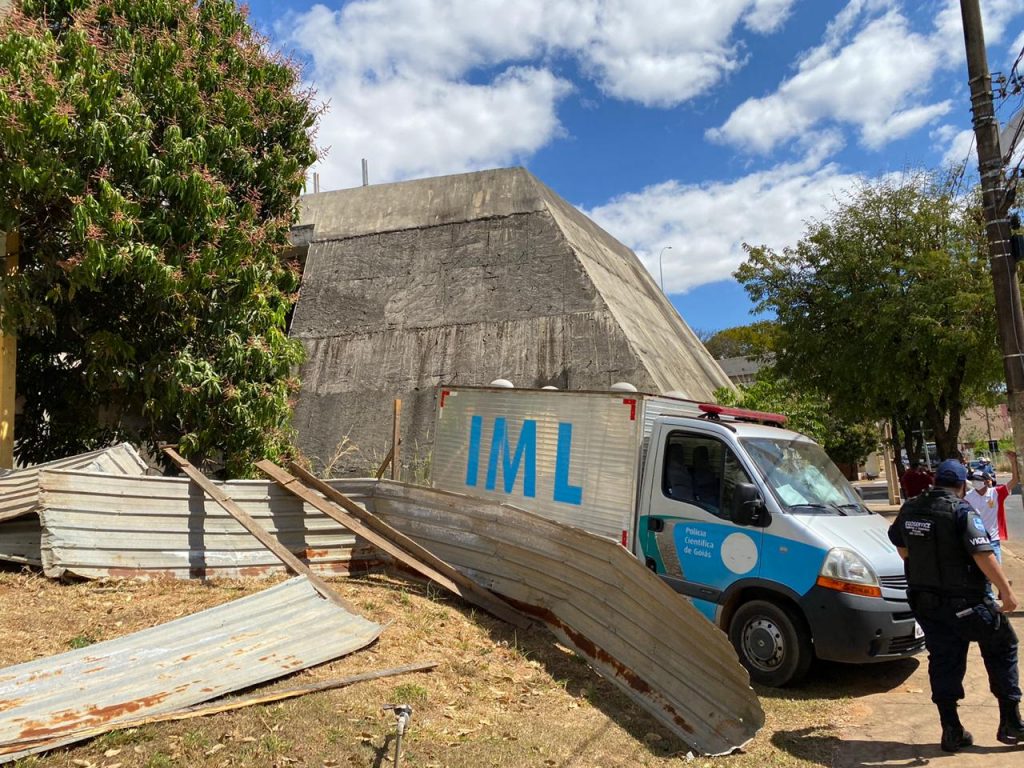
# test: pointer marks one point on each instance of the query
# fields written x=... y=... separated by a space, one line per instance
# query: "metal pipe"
x=404 y=713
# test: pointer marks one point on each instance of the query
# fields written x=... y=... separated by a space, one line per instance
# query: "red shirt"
x=1001 y=493
x=915 y=481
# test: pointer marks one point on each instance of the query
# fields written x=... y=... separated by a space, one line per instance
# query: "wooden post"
x=8 y=358
x=396 y=431
x=361 y=522
x=291 y=562
x=892 y=482
x=386 y=463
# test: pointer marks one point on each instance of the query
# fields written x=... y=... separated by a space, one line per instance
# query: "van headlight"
x=846 y=571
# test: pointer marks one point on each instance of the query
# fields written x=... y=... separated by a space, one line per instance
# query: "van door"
x=687 y=536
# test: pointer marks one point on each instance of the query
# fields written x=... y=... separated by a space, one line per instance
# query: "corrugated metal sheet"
x=19 y=540
x=597 y=599
x=603 y=433
x=19 y=497
x=19 y=490
x=194 y=659
x=97 y=525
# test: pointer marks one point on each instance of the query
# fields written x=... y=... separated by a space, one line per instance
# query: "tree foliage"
x=886 y=306
x=807 y=411
x=754 y=340
x=151 y=156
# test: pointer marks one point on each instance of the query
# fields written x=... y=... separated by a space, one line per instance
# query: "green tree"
x=151 y=156
x=754 y=340
x=886 y=306
x=807 y=411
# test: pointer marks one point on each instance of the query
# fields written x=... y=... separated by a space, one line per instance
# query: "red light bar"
x=743 y=414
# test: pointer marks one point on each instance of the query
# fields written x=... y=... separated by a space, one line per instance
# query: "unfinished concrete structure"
x=461 y=280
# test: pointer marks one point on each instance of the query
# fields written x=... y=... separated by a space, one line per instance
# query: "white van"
x=750 y=521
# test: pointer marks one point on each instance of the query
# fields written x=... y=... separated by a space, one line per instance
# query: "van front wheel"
x=772 y=641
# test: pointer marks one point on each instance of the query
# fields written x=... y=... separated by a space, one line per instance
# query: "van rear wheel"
x=772 y=642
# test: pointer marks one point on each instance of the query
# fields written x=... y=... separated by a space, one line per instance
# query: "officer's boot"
x=954 y=737
x=1011 y=729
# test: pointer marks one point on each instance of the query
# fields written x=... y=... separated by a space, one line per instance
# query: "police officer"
x=947 y=558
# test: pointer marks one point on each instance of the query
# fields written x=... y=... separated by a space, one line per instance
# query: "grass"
x=81 y=641
x=499 y=697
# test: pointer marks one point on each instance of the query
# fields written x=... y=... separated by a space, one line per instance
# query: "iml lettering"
x=501 y=457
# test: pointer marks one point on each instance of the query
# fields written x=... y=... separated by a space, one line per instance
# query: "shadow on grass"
x=824 y=747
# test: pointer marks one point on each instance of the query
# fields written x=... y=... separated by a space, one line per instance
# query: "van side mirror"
x=748 y=507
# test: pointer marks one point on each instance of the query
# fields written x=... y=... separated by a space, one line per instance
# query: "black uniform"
x=947 y=594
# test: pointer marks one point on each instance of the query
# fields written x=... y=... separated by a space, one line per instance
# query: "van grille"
x=894 y=582
x=906 y=644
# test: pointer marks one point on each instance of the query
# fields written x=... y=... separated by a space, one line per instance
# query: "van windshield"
x=803 y=477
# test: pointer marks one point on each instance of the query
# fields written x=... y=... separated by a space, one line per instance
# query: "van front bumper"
x=857 y=629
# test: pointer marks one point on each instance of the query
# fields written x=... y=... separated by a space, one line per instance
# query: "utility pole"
x=997 y=224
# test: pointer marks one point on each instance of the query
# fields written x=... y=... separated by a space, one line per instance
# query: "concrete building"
x=462 y=280
x=742 y=371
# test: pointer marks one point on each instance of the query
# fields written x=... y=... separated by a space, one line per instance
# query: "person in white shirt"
x=989 y=503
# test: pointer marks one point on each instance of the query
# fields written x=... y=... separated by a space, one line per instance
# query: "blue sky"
x=684 y=123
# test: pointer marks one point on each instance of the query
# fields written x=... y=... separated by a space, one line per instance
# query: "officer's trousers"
x=948 y=638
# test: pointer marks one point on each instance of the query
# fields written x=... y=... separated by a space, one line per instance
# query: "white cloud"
x=439 y=86
x=949 y=28
x=707 y=224
x=957 y=146
x=768 y=16
x=871 y=71
x=871 y=82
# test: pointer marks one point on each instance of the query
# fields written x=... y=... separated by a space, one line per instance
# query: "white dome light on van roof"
x=622 y=386
x=503 y=384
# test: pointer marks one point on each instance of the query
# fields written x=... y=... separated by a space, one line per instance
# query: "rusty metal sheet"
x=19 y=490
x=96 y=525
x=261 y=637
x=597 y=599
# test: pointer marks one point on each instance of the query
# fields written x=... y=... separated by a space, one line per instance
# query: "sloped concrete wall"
x=462 y=280
x=394 y=315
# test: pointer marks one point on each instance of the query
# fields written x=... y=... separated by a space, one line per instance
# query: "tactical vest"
x=938 y=561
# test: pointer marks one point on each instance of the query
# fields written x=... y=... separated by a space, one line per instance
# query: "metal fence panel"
x=19 y=490
x=597 y=599
x=97 y=525
x=261 y=637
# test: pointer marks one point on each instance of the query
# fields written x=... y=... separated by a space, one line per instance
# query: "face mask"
x=979 y=485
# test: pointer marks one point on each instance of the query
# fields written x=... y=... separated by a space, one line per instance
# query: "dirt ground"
x=498 y=698
x=899 y=725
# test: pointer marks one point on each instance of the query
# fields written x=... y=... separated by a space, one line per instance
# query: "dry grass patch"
x=500 y=697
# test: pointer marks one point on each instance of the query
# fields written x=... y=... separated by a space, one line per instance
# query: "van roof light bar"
x=712 y=411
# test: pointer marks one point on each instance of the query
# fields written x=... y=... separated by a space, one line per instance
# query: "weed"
x=81 y=641
x=328 y=467
x=273 y=744
x=409 y=693
x=196 y=740
x=121 y=738
x=160 y=760
x=27 y=762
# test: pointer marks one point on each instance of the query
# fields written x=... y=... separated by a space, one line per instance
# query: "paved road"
x=875 y=490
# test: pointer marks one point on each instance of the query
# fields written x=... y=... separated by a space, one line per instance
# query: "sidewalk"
x=900 y=727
